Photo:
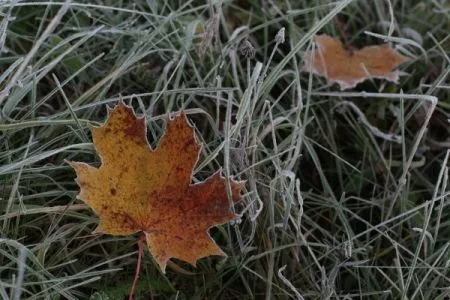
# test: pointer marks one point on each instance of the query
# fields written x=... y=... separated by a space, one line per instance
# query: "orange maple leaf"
x=136 y=189
x=348 y=68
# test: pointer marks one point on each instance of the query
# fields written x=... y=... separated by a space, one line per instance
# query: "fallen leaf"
x=348 y=68
x=137 y=189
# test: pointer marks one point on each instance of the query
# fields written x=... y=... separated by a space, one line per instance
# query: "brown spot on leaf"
x=136 y=130
x=187 y=145
x=124 y=219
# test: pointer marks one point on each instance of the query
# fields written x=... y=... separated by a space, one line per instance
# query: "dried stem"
x=138 y=266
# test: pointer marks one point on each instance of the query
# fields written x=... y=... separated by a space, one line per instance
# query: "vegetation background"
x=332 y=209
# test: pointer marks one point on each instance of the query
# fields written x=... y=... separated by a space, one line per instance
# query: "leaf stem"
x=138 y=266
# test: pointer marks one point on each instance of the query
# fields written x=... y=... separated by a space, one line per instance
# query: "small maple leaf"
x=348 y=68
x=137 y=189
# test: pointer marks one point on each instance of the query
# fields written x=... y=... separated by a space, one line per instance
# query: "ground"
x=333 y=206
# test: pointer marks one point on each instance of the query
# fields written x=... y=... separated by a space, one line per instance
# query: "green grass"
x=331 y=210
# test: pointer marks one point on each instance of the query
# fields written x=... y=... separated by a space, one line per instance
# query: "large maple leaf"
x=348 y=68
x=137 y=189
